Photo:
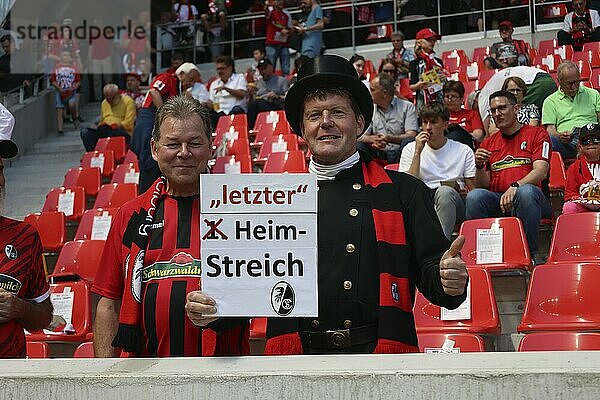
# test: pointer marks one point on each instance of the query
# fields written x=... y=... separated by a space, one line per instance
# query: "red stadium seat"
x=94 y=224
x=117 y=144
x=282 y=127
x=515 y=251
x=547 y=46
x=585 y=70
x=80 y=316
x=105 y=160
x=471 y=71
x=480 y=53
x=562 y=297
x=552 y=61
x=576 y=238
x=558 y=176
x=484 y=311
x=277 y=144
x=59 y=199
x=393 y=167
x=130 y=157
x=258 y=328
x=593 y=57
x=565 y=51
x=591 y=46
x=115 y=194
x=595 y=79
x=289 y=161
x=239 y=147
x=126 y=173
x=532 y=53
x=369 y=70
x=464 y=342
x=560 y=341
x=485 y=75
x=38 y=350
x=453 y=64
x=231 y=129
x=79 y=259
x=84 y=350
x=51 y=228
x=268 y=117
x=457 y=53
x=544 y=67
x=233 y=164
x=88 y=178
x=588 y=84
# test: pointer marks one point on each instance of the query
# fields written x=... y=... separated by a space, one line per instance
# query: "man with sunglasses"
x=571 y=106
x=511 y=166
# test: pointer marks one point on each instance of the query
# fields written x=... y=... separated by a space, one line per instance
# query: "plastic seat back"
x=547 y=46
x=480 y=53
x=485 y=75
x=463 y=342
x=88 y=178
x=126 y=173
x=576 y=238
x=84 y=350
x=95 y=223
x=289 y=161
x=241 y=164
x=131 y=157
x=562 y=297
x=560 y=341
x=115 y=194
x=105 y=160
x=38 y=350
x=70 y=201
x=558 y=175
x=268 y=117
x=239 y=147
x=278 y=144
x=51 y=228
x=515 y=250
x=484 y=311
x=79 y=259
x=282 y=127
x=116 y=143
x=593 y=57
x=235 y=129
x=258 y=328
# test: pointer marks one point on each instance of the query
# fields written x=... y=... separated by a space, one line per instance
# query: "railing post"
x=36 y=87
x=158 y=48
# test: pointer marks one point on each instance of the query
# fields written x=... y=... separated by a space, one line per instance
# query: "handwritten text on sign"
x=259 y=244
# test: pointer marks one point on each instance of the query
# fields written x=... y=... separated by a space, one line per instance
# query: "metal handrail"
x=38 y=84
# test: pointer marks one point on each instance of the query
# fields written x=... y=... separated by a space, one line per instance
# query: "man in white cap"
x=191 y=82
x=24 y=290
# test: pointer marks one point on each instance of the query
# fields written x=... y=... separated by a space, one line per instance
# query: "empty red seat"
x=38 y=350
x=576 y=238
x=130 y=157
x=282 y=127
x=84 y=350
x=70 y=201
x=591 y=46
x=239 y=147
x=115 y=194
x=258 y=328
x=552 y=61
x=593 y=57
x=88 y=178
x=565 y=51
x=547 y=46
x=239 y=122
x=73 y=297
x=560 y=341
x=558 y=176
x=562 y=297
x=268 y=117
x=480 y=53
x=117 y=144
x=595 y=78
x=470 y=71
x=79 y=259
x=241 y=164
x=105 y=160
x=484 y=311
x=95 y=223
x=51 y=228
x=126 y=173
x=277 y=144
x=457 y=53
x=515 y=251
x=463 y=342
x=289 y=161
x=585 y=70
x=485 y=75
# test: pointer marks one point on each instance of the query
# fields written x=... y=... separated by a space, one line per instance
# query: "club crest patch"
x=11 y=252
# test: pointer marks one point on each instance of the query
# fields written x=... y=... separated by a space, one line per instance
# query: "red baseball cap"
x=506 y=23
x=427 y=33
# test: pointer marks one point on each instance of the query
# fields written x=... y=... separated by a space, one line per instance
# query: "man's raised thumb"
x=455 y=248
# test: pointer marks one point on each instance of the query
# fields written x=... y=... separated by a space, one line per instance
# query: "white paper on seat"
x=101 y=226
x=132 y=176
x=98 y=161
x=463 y=311
x=66 y=201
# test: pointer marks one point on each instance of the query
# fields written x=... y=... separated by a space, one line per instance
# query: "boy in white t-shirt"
x=446 y=166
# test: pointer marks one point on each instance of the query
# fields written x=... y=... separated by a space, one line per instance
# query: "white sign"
x=233 y=167
x=463 y=312
x=66 y=201
x=273 y=117
x=101 y=226
x=132 y=177
x=63 y=304
x=259 y=244
x=489 y=246
x=98 y=161
x=279 y=146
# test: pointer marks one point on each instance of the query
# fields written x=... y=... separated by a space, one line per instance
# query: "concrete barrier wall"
x=33 y=120
x=557 y=375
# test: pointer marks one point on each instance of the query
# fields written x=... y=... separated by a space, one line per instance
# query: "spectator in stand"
x=580 y=26
x=572 y=106
x=191 y=83
x=163 y=87
x=312 y=29
x=389 y=67
x=11 y=59
x=100 y=58
x=270 y=92
x=132 y=89
x=24 y=292
x=359 y=65
x=214 y=24
x=117 y=118
x=400 y=54
x=159 y=230
x=184 y=11
x=394 y=122
x=446 y=166
x=528 y=114
x=511 y=166
x=298 y=63
x=465 y=126
x=279 y=25
x=228 y=93
x=66 y=80
x=252 y=73
x=582 y=189
x=426 y=70
x=509 y=52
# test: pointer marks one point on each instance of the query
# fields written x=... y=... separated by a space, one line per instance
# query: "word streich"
x=253 y=268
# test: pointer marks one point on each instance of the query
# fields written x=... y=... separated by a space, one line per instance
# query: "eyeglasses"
x=571 y=83
x=515 y=90
x=451 y=97
x=502 y=108
x=591 y=140
x=389 y=71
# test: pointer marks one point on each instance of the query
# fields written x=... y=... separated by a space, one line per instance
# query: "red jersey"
x=468 y=119
x=171 y=270
x=21 y=273
x=513 y=156
x=276 y=21
x=167 y=85
x=65 y=76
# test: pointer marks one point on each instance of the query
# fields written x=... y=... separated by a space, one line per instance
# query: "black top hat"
x=326 y=72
